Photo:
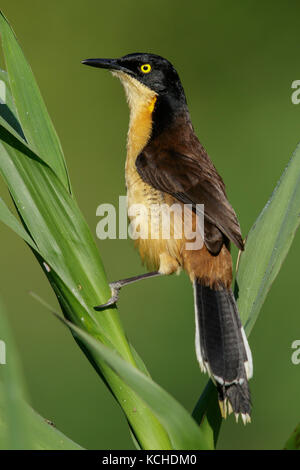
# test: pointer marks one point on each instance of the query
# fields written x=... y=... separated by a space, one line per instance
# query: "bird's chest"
x=151 y=226
x=142 y=199
x=144 y=205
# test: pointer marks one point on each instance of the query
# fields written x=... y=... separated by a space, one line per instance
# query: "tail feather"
x=222 y=348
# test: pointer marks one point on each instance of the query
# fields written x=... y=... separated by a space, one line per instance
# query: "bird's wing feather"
x=192 y=180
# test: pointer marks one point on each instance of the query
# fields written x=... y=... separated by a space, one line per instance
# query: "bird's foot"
x=116 y=286
x=115 y=290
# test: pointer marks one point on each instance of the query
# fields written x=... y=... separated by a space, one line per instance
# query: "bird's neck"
x=140 y=124
x=166 y=112
x=150 y=116
x=141 y=101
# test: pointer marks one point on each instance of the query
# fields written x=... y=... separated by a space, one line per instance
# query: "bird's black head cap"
x=151 y=70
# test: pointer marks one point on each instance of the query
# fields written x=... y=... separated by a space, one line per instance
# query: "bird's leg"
x=116 y=286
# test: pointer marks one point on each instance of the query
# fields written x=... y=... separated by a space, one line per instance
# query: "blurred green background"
x=237 y=61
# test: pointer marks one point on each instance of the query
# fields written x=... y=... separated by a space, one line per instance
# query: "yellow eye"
x=146 y=68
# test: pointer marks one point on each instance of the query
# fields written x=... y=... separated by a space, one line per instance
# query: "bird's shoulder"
x=177 y=152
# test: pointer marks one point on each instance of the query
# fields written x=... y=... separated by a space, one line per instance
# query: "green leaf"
x=10 y=220
x=268 y=243
x=181 y=428
x=11 y=130
x=73 y=266
x=7 y=110
x=71 y=262
x=207 y=414
x=32 y=113
x=43 y=434
x=17 y=435
x=293 y=443
x=52 y=218
x=20 y=426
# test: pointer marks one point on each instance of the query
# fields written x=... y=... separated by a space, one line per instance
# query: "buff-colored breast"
x=157 y=252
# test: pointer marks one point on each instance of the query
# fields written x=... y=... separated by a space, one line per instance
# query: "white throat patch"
x=137 y=94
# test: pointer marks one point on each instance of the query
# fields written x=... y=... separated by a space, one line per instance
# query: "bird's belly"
x=156 y=240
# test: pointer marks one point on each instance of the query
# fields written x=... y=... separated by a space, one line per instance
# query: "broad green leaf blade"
x=293 y=443
x=207 y=414
x=267 y=246
x=268 y=243
x=7 y=110
x=182 y=429
x=32 y=113
x=15 y=138
x=20 y=426
x=74 y=269
x=44 y=436
x=9 y=219
x=17 y=435
x=10 y=123
x=51 y=216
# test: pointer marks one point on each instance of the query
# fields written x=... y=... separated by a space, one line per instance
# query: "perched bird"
x=167 y=164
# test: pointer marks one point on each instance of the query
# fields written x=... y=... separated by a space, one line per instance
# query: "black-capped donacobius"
x=165 y=165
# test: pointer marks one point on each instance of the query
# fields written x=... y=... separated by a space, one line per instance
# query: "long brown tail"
x=222 y=348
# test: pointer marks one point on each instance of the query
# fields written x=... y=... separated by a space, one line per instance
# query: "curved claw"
x=115 y=289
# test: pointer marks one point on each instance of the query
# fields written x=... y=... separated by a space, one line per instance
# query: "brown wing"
x=192 y=180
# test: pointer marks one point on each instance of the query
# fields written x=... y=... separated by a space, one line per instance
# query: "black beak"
x=110 y=64
x=102 y=63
